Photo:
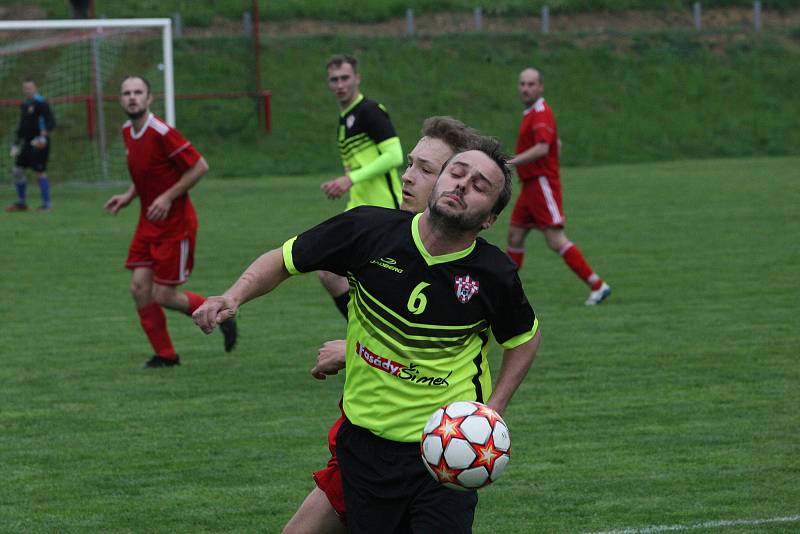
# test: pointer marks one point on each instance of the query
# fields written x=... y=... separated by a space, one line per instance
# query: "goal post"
x=77 y=65
x=99 y=25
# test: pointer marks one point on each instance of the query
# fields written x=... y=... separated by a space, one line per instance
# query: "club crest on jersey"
x=350 y=120
x=466 y=288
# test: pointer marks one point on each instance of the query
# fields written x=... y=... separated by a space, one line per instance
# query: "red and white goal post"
x=75 y=64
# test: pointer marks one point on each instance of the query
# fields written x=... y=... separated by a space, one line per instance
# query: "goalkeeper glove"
x=14 y=151
x=39 y=141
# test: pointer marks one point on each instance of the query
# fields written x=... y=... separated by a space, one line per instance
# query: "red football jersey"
x=158 y=155
x=538 y=126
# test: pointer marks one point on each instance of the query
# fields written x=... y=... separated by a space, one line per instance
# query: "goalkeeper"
x=32 y=146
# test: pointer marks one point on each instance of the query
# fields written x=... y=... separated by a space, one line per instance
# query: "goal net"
x=77 y=66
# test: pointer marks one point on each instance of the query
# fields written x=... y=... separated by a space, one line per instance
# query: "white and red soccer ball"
x=465 y=445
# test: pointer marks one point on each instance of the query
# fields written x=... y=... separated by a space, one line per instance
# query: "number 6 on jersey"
x=417 y=300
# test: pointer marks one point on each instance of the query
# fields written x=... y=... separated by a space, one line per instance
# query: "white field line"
x=707 y=524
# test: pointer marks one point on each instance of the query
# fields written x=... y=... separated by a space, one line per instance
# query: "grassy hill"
x=636 y=98
x=618 y=98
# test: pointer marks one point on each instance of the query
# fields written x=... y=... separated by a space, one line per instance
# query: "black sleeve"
x=377 y=124
x=512 y=314
x=21 y=120
x=342 y=242
x=49 y=118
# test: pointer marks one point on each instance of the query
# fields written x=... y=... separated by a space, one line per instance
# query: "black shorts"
x=32 y=157
x=388 y=490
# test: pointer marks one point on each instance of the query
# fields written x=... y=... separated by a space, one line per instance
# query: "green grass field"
x=676 y=403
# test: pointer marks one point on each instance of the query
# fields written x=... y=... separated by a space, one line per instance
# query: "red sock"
x=573 y=257
x=195 y=301
x=154 y=323
x=516 y=255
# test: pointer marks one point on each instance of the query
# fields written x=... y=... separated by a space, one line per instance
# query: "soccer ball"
x=465 y=445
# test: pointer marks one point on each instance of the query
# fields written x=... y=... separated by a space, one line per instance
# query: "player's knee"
x=139 y=289
x=516 y=237
x=18 y=173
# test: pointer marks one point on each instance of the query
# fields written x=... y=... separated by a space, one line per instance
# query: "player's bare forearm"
x=263 y=275
x=515 y=366
x=158 y=210
x=529 y=156
x=188 y=180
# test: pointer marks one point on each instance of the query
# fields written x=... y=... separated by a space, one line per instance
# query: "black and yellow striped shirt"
x=365 y=134
x=419 y=325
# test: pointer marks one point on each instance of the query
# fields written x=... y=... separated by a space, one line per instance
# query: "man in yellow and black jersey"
x=426 y=294
x=370 y=150
x=368 y=143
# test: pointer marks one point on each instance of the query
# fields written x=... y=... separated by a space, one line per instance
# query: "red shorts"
x=539 y=204
x=171 y=258
x=329 y=480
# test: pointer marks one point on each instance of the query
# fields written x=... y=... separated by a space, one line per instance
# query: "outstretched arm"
x=516 y=363
x=263 y=275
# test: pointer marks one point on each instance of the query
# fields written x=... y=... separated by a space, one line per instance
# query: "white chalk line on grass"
x=706 y=524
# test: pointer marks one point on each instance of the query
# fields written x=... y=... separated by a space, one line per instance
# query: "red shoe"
x=17 y=206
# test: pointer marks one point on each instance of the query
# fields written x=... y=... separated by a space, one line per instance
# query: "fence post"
x=757 y=15
x=266 y=97
x=697 y=13
x=409 y=21
x=478 y=13
x=545 y=19
x=177 y=25
x=247 y=23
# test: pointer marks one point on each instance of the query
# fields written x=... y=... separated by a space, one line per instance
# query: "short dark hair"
x=491 y=147
x=131 y=76
x=452 y=132
x=339 y=59
x=29 y=79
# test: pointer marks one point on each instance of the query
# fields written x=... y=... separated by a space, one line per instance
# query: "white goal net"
x=77 y=66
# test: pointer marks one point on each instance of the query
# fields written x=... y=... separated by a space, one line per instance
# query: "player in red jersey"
x=163 y=167
x=539 y=203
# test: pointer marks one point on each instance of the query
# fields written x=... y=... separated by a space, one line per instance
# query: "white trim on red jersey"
x=159 y=125
x=537 y=106
x=552 y=206
x=180 y=149
x=182 y=272
x=140 y=133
